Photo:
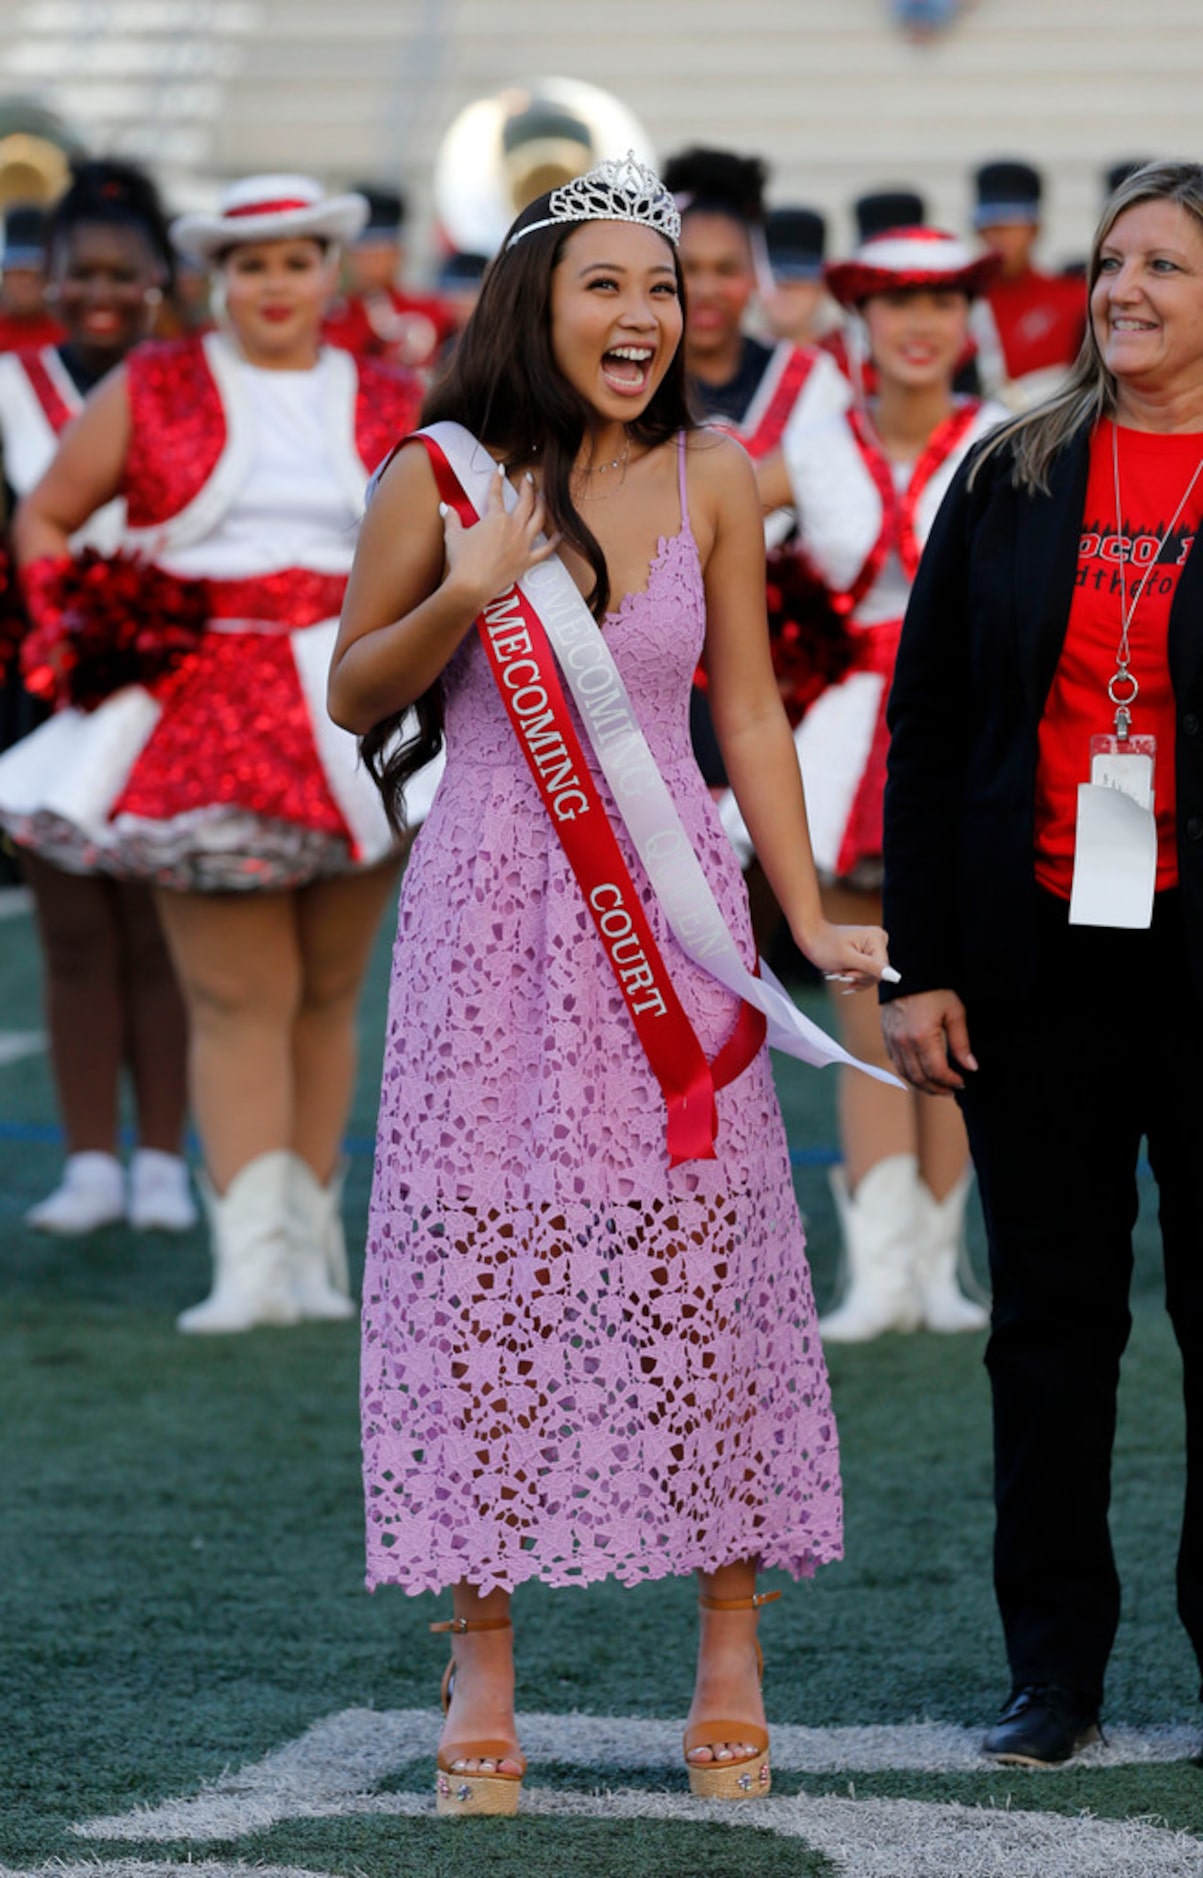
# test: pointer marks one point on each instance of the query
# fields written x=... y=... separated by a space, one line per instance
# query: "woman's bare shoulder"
x=715 y=447
x=718 y=461
x=403 y=478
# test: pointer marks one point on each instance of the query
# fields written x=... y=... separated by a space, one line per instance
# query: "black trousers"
x=1108 y=1050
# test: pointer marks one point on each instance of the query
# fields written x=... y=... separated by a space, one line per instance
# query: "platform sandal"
x=458 y=1794
x=747 y=1778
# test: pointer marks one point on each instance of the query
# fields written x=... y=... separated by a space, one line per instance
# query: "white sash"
x=648 y=812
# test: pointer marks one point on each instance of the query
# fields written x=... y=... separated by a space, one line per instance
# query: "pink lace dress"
x=576 y=1363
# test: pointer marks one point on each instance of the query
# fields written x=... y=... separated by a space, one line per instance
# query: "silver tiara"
x=612 y=192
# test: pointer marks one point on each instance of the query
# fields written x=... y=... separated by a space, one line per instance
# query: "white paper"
x=1115 y=860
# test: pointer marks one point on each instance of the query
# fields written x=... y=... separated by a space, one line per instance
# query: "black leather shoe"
x=1042 y=1726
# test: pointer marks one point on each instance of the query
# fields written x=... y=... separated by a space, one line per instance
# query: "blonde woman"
x=1044 y=892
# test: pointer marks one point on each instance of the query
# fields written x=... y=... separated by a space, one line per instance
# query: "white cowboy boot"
x=317 y=1244
x=939 y=1256
x=879 y=1224
x=160 y=1198
x=90 y=1194
x=249 y=1223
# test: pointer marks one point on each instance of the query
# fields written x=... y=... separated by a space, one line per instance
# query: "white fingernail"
x=890 y=976
x=529 y=477
x=444 y=511
x=501 y=469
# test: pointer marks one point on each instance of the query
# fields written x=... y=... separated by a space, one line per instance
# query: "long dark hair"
x=503 y=384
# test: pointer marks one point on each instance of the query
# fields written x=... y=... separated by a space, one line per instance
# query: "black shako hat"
x=1007 y=192
x=386 y=213
x=883 y=209
x=1117 y=173
x=462 y=268
x=796 y=241
x=24 y=242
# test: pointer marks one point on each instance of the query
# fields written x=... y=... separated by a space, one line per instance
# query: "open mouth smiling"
x=627 y=369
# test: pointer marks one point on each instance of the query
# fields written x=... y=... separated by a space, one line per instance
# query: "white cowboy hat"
x=912 y=257
x=270 y=208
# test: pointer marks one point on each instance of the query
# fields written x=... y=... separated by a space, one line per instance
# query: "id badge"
x=1115 y=849
x=1125 y=764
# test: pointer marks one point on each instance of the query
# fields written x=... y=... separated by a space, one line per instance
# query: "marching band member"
x=795 y=301
x=110 y=991
x=865 y=486
x=243 y=458
x=1028 y=325
x=378 y=318
x=25 y=317
x=741 y=384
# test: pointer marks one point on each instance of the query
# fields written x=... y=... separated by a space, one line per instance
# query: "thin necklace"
x=1123 y=687
x=619 y=463
x=616 y=462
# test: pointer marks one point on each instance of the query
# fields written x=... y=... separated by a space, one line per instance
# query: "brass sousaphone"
x=32 y=169
x=502 y=152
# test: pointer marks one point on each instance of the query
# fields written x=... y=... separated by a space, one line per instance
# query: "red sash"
x=898 y=512
x=761 y=431
x=523 y=665
x=57 y=411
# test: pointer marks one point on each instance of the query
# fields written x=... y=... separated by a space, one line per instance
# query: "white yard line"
x=18 y=1044
x=15 y=902
x=332 y=1770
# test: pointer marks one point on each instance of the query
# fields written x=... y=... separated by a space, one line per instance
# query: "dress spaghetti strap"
x=685 y=529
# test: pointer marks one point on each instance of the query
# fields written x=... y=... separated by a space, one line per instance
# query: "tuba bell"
x=503 y=151
x=32 y=169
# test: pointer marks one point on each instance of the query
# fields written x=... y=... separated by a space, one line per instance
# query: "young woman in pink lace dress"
x=580 y=1361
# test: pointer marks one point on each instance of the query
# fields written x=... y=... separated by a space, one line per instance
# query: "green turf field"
x=192 y=1675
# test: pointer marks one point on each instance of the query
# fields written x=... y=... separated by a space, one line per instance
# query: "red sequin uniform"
x=232 y=775
x=33 y=410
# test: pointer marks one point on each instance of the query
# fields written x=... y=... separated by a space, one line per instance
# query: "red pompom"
x=808 y=632
x=101 y=622
x=14 y=621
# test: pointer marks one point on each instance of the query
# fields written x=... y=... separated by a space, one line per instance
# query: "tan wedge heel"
x=459 y=1795
x=749 y=1778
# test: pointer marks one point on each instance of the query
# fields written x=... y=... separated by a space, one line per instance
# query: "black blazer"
x=982 y=637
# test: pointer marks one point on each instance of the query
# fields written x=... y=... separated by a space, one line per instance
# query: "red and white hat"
x=910 y=257
x=270 y=208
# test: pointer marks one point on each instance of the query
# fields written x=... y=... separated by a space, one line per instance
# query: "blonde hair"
x=1089 y=392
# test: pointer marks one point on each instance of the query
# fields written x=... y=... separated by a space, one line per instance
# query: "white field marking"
x=872 y=1838
x=15 y=902
x=146 y=1868
x=331 y=1771
x=15 y=1044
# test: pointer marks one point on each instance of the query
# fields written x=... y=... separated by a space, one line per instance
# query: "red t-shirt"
x=1154 y=471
